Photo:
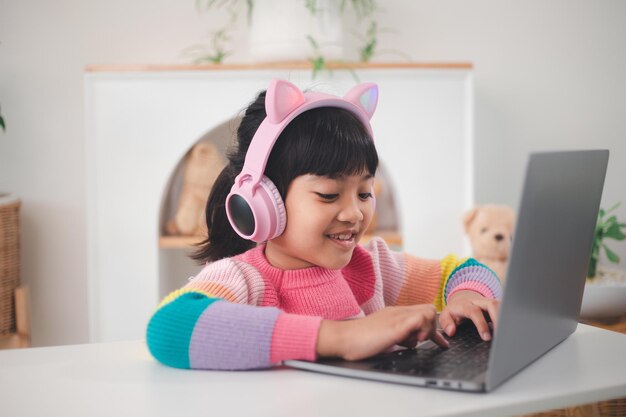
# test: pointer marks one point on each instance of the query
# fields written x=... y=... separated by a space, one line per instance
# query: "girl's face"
x=326 y=218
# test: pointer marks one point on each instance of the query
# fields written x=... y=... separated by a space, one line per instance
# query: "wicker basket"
x=9 y=260
x=611 y=408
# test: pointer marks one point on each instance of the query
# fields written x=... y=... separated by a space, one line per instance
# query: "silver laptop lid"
x=549 y=258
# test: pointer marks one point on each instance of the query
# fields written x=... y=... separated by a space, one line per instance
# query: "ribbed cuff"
x=475 y=286
x=295 y=337
x=473 y=271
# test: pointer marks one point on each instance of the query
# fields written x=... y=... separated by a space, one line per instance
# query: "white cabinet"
x=140 y=123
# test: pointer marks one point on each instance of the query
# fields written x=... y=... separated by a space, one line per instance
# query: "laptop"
x=543 y=294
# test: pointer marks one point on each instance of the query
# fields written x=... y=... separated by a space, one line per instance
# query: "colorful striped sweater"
x=243 y=313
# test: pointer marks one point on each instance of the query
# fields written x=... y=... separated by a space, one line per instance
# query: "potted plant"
x=313 y=31
x=605 y=292
x=606 y=228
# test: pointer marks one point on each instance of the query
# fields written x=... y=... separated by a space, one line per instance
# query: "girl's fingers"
x=425 y=330
x=475 y=314
x=440 y=340
x=411 y=342
x=449 y=319
x=428 y=330
x=423 y=321
x=447 y=323
x=493 y=308
x=471 y=307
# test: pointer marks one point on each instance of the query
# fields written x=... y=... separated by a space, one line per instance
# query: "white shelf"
x=139 y=124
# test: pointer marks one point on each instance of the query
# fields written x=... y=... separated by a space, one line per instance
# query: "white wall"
x=549 y=75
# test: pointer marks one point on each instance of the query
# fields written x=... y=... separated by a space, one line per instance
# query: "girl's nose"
x=351 y=212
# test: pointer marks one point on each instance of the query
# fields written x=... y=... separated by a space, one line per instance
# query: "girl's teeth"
x=341 y=237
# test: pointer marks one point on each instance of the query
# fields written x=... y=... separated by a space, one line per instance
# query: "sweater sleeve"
x=214 y=322
x=410 y=280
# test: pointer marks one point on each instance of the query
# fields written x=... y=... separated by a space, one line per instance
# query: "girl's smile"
x=326 y=218
x=345 y=240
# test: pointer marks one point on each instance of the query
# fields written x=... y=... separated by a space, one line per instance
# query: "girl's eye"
x=327 y=197
x=483 y=230
x=365 y=196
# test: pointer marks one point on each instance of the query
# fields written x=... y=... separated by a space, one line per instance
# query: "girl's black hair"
x=325 y=141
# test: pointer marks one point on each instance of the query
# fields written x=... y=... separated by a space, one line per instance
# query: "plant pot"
x=279 y=30
x=605 y=295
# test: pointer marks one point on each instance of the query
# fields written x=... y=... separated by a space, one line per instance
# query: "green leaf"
x=612 y=256
x=614 y=232
x=318 y=65
x=2 y=125
x=367 y=52
x=312 y=41
x=614 y=207
x=311 y=6
x=599 y=234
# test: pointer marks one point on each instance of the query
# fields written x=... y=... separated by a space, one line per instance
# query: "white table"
x=122 y=379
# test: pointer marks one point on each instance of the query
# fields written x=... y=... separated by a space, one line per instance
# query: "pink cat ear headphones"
x=254 y=206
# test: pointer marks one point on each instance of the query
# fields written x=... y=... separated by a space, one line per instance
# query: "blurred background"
x=547 y=76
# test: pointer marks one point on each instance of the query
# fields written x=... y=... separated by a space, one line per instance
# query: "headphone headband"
x=283 y=103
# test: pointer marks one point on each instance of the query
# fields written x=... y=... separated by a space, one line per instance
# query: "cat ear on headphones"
x=281 y=98
x=364 y=96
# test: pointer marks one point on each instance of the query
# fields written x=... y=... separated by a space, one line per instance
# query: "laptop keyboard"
x=467 y=357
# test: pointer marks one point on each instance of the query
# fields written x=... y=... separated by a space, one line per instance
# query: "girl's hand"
x=469 y=305
x=361 y=338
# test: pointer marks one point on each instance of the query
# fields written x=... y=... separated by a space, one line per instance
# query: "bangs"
x=329 y=142
x=337 y=145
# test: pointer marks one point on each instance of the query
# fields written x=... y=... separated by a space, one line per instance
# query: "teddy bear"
x=203 y=164
x=490 y=232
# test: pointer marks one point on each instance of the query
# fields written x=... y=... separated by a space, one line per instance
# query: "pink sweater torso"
x=288 y=305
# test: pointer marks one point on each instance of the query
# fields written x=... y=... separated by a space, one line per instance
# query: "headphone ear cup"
x=256 y=213
x=276 y=209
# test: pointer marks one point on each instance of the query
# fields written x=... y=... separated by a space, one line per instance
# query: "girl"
x=299 y=182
